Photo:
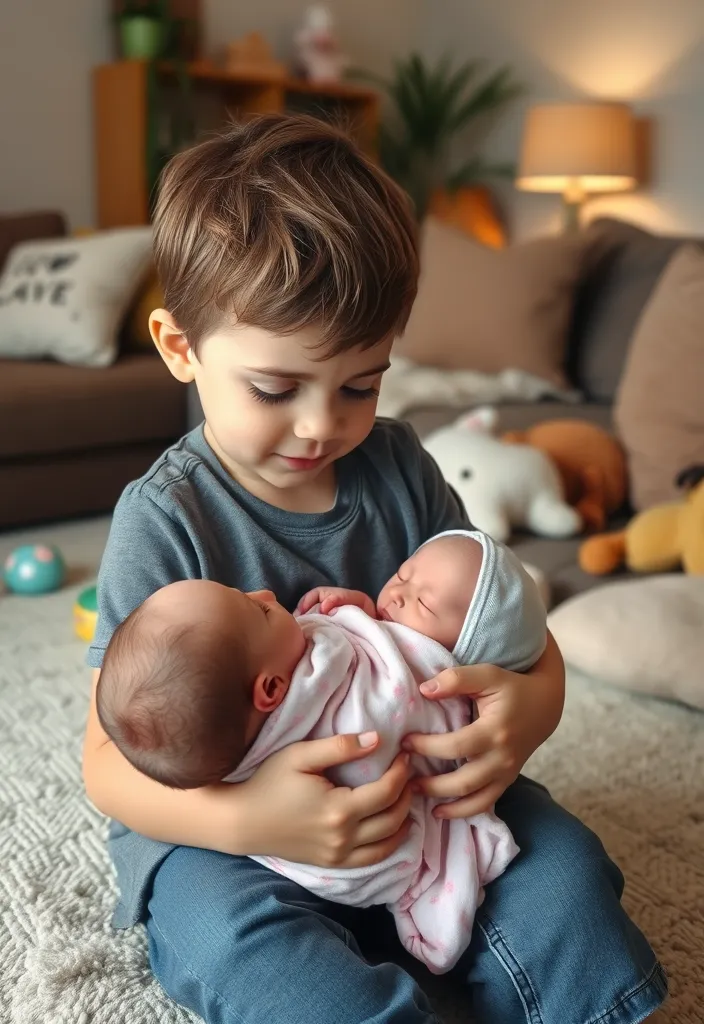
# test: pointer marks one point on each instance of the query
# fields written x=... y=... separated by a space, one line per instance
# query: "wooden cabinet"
x=123 y=106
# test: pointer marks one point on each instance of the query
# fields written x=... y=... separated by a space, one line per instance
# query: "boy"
x=289 y=266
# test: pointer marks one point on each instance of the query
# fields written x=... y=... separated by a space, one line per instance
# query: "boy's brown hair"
x=283 y=223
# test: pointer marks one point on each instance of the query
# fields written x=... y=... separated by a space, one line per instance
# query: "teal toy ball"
x=34 y=569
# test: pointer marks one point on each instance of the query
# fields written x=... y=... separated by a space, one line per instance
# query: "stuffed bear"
x=590 y=461
x=660 y=539
x=502 y=485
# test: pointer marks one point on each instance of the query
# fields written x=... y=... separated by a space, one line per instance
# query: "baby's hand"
x=330 y=598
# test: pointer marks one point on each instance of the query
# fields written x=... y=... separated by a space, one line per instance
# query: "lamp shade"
x=578 y=148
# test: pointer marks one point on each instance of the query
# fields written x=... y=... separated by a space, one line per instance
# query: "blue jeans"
x=240 y=944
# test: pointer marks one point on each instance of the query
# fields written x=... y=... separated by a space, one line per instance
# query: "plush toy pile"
x=555 y=480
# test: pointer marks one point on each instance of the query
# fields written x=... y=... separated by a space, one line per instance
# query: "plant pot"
x=141 y=37
x=471 y=209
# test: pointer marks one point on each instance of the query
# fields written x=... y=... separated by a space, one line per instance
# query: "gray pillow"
x=622 y=266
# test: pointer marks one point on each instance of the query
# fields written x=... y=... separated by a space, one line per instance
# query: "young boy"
x=289 y=266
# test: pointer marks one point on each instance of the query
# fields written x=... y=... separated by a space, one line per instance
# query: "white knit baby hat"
x=505 y=622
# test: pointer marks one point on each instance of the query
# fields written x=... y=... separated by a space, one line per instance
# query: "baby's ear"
x=268 y=692
x=482 y=420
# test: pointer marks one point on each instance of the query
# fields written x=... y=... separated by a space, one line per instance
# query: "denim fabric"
x=552 y=945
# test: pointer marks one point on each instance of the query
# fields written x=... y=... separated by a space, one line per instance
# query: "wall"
x=50 y=46
x=371 y=31
x=48 y=50
x=649 y=52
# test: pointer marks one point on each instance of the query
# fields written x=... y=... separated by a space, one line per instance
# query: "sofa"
x=72 y=437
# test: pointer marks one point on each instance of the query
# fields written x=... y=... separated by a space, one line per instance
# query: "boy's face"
x=433 y=589
x=278 y=416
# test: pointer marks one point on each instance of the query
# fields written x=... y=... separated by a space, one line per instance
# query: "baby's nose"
x=267 y=596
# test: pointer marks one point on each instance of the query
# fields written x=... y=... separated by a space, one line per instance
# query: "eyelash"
x=278 y=398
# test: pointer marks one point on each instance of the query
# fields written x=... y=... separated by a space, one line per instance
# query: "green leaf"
x=430 y=103
x=497 y=91
x=475 y=171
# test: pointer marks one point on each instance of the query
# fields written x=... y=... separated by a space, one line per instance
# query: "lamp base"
x=571 y=214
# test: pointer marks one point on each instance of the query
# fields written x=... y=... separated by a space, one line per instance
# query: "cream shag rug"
x=632 y=768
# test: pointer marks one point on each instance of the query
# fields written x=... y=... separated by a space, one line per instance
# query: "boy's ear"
x=172 y=345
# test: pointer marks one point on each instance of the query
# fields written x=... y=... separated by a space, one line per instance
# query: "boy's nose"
x=267 y=596
x=316 y=424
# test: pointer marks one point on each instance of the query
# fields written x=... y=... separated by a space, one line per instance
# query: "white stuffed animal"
x=502 y=485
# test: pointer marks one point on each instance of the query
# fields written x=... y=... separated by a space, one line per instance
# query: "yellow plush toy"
x=660 y=539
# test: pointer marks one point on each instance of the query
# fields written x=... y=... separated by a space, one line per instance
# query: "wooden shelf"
x=121 y=112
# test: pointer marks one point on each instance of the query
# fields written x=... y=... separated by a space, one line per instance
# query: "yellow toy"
x=661 y=539
x=85 y=614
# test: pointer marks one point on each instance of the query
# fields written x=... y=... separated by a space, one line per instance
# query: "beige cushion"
x=660 y=404
x=645 y=635
x=482 y=309
x=65 y=298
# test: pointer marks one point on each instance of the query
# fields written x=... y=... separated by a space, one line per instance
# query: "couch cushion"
x=25 y=227
x=660 y=405
x=489 y=310
x=514 y=415
x=622 y=266
x=47 y=407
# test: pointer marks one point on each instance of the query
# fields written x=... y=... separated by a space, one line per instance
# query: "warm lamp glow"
x=576 y=149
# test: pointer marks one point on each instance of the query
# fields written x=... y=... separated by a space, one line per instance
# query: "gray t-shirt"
x=186 y=518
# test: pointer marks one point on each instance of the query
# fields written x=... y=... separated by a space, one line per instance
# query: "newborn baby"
x=193 y=685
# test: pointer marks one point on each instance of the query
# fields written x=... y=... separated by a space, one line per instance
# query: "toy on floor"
x=590 y=461
x=34 y=569
x=502 y=485
x=85 y=614
x=661 y=539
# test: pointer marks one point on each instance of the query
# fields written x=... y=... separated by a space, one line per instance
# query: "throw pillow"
x=65 y=299
x=149 y=297
x=645 y=635
x=660 y=405
x=489 y=310
x=622 y=266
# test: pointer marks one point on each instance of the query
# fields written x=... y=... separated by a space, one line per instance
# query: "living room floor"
x=632 y=768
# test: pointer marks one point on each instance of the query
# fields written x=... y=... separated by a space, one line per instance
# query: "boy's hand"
x=330 y=598
x=293 y=811
x=516 y=713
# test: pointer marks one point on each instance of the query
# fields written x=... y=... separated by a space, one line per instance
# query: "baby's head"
x=471 y=595
x=432 y=590
x=189 y=677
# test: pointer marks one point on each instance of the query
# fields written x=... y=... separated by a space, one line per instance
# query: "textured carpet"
x=633 y=769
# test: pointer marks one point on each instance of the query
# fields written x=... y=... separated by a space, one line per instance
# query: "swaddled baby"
x=193 y=685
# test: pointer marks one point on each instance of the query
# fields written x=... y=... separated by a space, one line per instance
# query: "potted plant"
x=144 y=27
x=430 y=106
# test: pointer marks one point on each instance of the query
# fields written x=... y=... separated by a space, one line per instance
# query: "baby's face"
x=274 y=641
x=432 y=590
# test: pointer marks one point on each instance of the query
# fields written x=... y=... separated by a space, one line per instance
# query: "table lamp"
x=577 y=149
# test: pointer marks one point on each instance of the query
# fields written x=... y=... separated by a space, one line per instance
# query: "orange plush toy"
x=590 y=461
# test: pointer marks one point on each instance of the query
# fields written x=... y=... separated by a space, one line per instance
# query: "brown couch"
x=72 y=437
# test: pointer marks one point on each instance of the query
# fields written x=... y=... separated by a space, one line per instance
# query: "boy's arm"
x=287 y=809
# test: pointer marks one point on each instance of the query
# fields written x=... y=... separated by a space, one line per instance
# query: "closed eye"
x=360 y=394
x=272 y=397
